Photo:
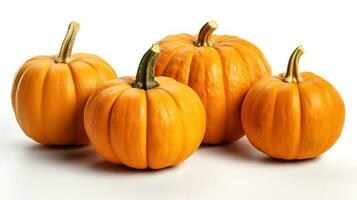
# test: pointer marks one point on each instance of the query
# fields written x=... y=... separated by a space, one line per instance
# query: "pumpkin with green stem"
x=145 y=122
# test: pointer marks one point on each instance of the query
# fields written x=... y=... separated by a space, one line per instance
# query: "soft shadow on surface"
x=270 y=160
x=107 y=167
x=241 y=150
x=83 y=157
x=65 y=155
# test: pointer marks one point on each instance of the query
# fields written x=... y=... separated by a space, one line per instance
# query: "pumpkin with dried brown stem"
x=221 y=69
x=49 y=93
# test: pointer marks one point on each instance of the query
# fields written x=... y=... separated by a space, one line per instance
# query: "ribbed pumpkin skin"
x=139 y=128
x=48 y=98
x=221 y=75
x=293 y=120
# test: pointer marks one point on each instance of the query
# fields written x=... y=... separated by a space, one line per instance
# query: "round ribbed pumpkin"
x=221 y=69
x=293 y=116
x=142 y=122
x=49 y=93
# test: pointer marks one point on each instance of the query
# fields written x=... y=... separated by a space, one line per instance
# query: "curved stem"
x=292 y=74
x=145 y=75
x=67 y=44
x=205 y=36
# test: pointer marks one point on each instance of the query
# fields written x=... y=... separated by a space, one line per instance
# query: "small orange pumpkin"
x=49 y=93
x=221 y=69
x=142 y=122
x=293 y=116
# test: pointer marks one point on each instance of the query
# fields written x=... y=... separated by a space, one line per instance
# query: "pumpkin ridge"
x=300 y=136
x=253 y=104
x=171 y=59
x=89 y=64
x=189 y=65
x=322 y=95
x=18 y=76
x=75 y=135
x=42 y=92
x=22 y=76
x=98 y=60
x=15 y=87
x=165 y=66
x=168 y=149
x=290 y=152
x=147 y=128
x=185 y=90
x=129 y=161
x=258 y=52
x=189 y=58
x=189 y=92
x=271 y=146
x=109 y=128
x=301 y=103
x=20 y=118
x=260 y=66
x=197 y=52
x=183 y=139
x=92 y=104
x=165 y=162
x=245 y=63
x=252 y=49
x=225 y=94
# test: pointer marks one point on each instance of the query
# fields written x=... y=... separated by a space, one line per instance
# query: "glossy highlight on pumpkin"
x=221 y=69
x=294 y=115
x=49 y=93
x=145 y=122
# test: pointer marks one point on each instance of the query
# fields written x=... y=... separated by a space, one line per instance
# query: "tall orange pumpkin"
x=221 y=69
x=142 y=122
x=293 y=116
x=49 y=93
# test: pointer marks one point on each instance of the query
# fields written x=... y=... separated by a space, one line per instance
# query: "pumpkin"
x=294 y=115
x=144 y=122
x=221 y=69
x=49 y=93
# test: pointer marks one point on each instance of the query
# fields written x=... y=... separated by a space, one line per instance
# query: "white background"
x=121 y=32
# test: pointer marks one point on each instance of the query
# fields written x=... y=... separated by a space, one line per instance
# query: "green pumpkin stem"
x=204 y=37
x=145 y=75
x=292 y=74
x=67 y=44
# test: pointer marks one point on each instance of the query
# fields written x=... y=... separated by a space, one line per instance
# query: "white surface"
x=120 y=33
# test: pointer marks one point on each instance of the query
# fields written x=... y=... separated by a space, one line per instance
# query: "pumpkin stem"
x=292 y=74
x=145 y=75
x=67 y=44
x=205 y=36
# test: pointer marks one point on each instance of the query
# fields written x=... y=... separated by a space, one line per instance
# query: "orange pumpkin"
x=293 y=116
x=142 y=122
x=221 y=69
x=49 y=93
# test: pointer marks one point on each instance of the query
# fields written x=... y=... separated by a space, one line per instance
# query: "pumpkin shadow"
x=79 y=155
x=83 y=157
x=242 y=151
x=111 y=168
x=276 y=161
